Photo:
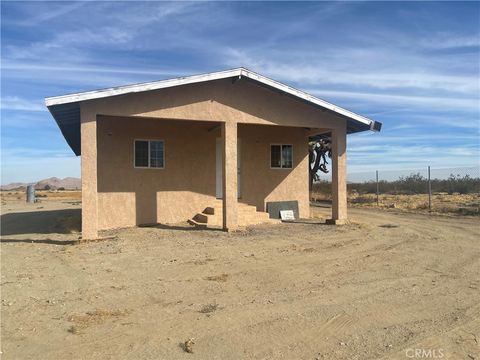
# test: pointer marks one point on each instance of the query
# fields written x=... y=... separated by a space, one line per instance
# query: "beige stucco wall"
x=260 y=183
x=230 y=175
x=129 y=196
x=88 y=130
x=219 y=101
x=115 y=194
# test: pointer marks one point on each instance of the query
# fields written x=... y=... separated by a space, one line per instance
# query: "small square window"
x=149 y=154
x=281 y=156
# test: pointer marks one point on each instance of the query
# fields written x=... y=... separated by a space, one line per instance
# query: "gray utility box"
x=274 y=207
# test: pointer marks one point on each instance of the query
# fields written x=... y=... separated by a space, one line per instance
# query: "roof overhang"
x=66 y=108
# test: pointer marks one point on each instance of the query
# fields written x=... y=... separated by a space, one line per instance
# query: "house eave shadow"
x=65 y=221
x=178 y=227
x=39 y=241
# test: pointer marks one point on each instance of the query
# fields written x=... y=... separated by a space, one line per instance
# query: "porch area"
x=212 y=174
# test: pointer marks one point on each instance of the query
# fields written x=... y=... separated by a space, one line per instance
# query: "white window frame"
x=149 y=167
x=281 y=156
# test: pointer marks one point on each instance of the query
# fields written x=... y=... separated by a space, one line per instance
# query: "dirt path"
x=380 y=288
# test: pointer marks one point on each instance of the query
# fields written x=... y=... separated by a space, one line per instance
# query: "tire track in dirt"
x=362 y=285
x=457 y=342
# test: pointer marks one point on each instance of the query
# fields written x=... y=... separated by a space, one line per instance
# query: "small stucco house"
x=215 y=148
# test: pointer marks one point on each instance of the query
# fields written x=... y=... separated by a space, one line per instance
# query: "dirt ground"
x=441 y=203
x=390 y=285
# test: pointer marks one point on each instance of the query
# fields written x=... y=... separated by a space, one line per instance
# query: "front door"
x=219 y=171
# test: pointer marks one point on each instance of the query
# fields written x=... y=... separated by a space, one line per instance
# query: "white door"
x=219 y=175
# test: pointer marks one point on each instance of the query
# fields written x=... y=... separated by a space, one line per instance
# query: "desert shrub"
x=322 y=187
x=367 y=187
x=362 y=199
x=411 y=184
x=457 y=184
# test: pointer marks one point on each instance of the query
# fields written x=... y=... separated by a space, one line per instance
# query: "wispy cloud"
x=408 y=119
x=83 y=77
x=17 y=103
x=446 y=103
x=25 y=66
x=49 y=11
x=114 y=28
x=328 y=72
x=446 y=41
x=66 y=45
x=412 y=66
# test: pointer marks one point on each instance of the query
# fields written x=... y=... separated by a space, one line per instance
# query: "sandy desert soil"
x=380 y=288
x=442 y=203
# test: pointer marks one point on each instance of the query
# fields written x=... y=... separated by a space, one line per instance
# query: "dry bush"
x=209 y=308
x=95 y=317
x=456 y=194
x=219 y=278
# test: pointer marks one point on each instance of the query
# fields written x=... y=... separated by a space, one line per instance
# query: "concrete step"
x=210 y=210
x=243 y=221
x=197 y=224
x=208 y=219
x=247 y=215
x=201 y=218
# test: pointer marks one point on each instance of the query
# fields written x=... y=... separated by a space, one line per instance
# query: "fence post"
x=378 y=200
x=429 y=191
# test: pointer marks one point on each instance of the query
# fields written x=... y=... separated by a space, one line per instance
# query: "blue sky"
x=413 y=66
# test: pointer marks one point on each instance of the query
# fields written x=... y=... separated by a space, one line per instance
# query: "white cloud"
x=17 y=103
x=83 y=76
x=26 y=119
x=49 y=11
x=404 y=77
x=334 y=70
x=118 y=26
x=447 y=41
x=26 y=66
x=66 y=45
x=415 y=120
x=446 y=103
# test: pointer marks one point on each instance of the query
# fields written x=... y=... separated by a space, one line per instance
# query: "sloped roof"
x=66 y=108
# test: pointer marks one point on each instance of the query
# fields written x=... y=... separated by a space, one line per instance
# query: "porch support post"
x=88 y=131
x=230 y=193
x=339 y=176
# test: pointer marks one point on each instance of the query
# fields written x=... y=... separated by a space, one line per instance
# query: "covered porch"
x=224 y=166
x=236 y=115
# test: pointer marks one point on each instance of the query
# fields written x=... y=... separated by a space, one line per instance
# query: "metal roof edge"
x=127 y=89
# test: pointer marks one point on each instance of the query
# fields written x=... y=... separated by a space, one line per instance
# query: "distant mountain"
x=53 y=183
